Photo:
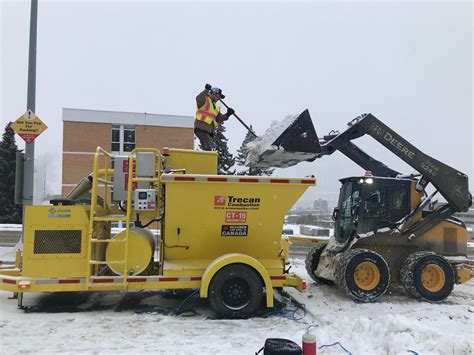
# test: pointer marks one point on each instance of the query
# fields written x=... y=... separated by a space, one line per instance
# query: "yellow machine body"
x=207 y=221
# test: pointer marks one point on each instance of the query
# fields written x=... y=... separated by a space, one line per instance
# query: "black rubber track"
x=311 y=263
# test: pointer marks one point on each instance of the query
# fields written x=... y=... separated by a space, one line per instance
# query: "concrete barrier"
x=9 y=238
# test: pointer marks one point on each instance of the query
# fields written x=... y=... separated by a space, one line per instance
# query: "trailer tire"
x=427 y=276
x=311 y=264
x=236 y=291
x=363 y=274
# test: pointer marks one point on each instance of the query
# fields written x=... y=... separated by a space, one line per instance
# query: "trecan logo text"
x=219 y=200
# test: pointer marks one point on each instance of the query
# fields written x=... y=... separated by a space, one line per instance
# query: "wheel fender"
x=236 y=258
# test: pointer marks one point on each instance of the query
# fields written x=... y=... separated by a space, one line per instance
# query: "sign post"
x=30 y=105
x=29 y=166
x=29 y=162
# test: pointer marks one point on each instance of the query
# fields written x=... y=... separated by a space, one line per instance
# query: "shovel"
x=240 y=120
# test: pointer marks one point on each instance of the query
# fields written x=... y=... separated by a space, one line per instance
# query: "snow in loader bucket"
x=285 y=143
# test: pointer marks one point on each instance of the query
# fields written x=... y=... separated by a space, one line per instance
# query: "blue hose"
x=334 y=344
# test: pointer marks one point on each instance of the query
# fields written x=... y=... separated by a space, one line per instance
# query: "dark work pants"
x=206 y=139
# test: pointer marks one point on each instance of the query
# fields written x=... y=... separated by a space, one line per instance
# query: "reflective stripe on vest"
x=208 y=113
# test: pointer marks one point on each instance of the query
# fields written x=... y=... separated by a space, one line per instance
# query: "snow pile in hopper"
x=285 y=143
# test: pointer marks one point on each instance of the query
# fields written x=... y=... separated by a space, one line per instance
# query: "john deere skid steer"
x=385 y=234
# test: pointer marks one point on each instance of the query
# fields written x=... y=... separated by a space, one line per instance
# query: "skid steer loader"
x=384 y=234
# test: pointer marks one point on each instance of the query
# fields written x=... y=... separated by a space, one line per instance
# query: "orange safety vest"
x=208 y=113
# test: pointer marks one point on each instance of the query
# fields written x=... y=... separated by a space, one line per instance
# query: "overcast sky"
x=410 y=64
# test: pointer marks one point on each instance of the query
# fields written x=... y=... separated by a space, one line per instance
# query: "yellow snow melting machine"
x=219 y=234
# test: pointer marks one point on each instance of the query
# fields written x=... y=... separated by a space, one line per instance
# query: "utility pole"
x=28 y=177
x=29 y=158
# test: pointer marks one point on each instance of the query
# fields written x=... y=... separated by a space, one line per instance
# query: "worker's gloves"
x=230 y=112
x=208 y=87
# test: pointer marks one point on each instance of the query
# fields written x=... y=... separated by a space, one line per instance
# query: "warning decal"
x=236 y=217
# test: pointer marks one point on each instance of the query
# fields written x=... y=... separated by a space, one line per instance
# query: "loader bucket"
x=297 y=143
x=300 y=136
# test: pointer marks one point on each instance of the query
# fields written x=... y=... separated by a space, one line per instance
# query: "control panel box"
x=146 y=163
x=145 y=200
x=121 y=179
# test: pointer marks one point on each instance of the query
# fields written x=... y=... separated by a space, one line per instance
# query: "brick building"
x=117 y=132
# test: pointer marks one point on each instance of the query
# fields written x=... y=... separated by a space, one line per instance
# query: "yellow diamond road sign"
x=28 y=126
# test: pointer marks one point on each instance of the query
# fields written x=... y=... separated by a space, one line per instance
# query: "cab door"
x=345 y=215
x=383 y=204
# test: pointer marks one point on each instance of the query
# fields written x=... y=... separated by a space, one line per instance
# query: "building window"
x=123 y=138
x=128 y=138
x=116 y=138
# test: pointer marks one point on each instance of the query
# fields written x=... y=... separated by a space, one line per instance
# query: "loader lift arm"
x=451 y=183
x=356 y=154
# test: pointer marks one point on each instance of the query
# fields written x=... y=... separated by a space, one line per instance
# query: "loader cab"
x=369 y=203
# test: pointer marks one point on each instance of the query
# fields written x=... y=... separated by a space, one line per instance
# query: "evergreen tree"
x=242 y=153
x=226 y=159
x=9 y=212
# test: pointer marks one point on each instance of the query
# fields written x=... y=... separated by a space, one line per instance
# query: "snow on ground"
x=105 y=323
x=395 y=323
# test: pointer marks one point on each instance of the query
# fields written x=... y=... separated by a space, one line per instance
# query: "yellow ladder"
x=112 y=218
x=133 y=179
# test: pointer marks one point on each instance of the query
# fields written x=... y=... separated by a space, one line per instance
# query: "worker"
x=208 y=116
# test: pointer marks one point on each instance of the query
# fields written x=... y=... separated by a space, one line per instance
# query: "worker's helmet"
x=217 y=92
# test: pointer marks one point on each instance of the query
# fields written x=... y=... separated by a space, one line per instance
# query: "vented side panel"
x=57 y=242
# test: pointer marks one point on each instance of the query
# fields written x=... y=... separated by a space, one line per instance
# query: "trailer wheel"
x=311 y=264
x=363 y=274
x=428 y=276
x=236 y=291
